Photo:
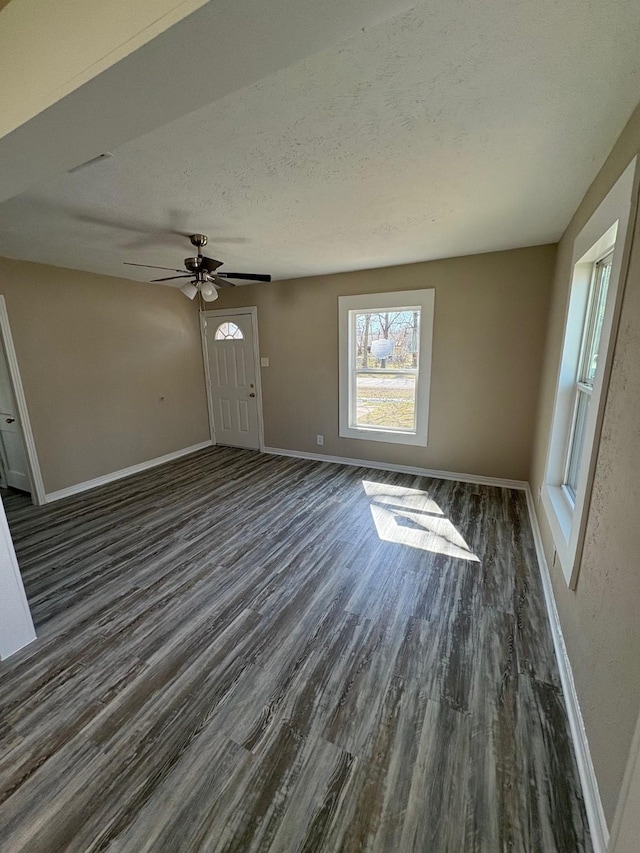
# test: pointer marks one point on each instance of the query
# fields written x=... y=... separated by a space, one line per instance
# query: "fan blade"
x=245 y=276
x=172 y=277
x=151 y=267
x=221 y=282
x=209 y=264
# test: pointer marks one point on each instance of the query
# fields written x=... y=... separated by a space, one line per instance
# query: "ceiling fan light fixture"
x=201 y=271
x=208 y=291
x=189 y=290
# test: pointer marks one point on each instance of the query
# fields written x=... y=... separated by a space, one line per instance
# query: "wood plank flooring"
x=240 y=652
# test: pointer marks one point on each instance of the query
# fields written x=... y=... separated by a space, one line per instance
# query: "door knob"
x=10 y=420
x=252 y=394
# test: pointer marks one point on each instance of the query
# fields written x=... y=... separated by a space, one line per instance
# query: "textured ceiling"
x=449 y=129
x=222 y=47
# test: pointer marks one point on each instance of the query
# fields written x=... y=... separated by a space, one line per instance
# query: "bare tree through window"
x=386 y=360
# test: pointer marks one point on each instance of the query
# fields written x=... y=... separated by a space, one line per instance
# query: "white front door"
x=13 y=458
x=231 y=363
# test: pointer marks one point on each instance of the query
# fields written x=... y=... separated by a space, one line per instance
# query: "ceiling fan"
x=203 y=272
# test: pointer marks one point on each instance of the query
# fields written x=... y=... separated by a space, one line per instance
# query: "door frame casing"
x=252 y=311
x=38 y=495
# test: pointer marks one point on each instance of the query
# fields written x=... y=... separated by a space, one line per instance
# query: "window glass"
x=577 y=442
x=591 y=334
x=594 y=332
x=228 y=332
x=385 y=357
x=386 y=340
x=386 y=400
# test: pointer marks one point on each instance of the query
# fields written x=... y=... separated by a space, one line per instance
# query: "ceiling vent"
x=93 y=160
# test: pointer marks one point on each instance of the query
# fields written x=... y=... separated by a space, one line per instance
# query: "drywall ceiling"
x=447 y=129
x=222 y=47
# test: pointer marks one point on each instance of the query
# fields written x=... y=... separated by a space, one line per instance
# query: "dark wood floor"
x=247 y=653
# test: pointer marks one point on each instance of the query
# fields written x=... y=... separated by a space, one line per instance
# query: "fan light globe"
x=208 y=291
x=189 y=290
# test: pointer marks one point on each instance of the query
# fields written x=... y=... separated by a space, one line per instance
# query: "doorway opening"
x=19 y=467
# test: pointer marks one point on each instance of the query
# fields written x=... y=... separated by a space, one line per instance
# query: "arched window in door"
x=228 y=332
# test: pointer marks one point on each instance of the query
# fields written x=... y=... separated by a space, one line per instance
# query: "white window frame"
x=583 y=385
x=405 y=300
x=607 y=228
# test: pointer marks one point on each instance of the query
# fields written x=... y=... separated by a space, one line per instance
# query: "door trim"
x=38 y=494
x=229 y=312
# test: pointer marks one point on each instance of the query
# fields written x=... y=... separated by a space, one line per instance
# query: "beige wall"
x=96 y=354
x=626 y=829
x=112 y=369
x=601 y=619
x=490 y=319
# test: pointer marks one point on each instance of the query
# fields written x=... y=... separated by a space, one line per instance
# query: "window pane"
x=387 y=340
x=577 y=441
x=603 y=271
x=228 y=332
x=386 y=400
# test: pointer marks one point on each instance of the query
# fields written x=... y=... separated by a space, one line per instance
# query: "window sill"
x=364 y=434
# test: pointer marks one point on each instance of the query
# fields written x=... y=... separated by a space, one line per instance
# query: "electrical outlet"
x=264 y=362
x=319 y=439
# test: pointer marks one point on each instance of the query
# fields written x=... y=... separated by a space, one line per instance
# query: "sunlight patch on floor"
x=410 y=517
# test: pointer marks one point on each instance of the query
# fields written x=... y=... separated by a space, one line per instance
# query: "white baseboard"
x=50 y=497
x=401 y=469
x=592 y=801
